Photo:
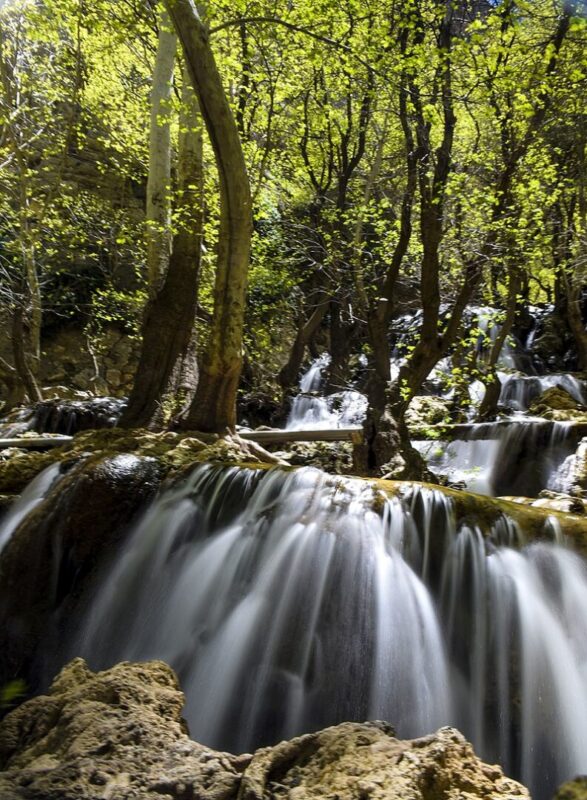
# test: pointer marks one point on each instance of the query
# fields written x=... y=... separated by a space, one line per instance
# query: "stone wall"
x=69 y=360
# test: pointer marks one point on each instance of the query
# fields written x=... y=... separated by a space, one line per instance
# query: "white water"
x=27 y=502
x=519 y=458
x=286 y=603
x=312 y=411
x=518 y=391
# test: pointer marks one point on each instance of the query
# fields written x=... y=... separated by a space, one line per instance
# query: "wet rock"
x=573 y=790
x=58 y=546
x=366 y=761
x=119 y=734
x=261 y=408
x=558 y=405
x=557 y=501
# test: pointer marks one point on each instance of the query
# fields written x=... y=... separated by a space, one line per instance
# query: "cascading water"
x=504 y=458
x=27 y=502
x=70 y=416
x=518 y=391
x=310 y=410
x=291 y=601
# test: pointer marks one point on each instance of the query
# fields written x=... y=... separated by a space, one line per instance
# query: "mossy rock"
x=573 y=790
x=557 y=399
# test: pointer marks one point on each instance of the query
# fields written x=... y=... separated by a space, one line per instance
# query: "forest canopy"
x=247 y=183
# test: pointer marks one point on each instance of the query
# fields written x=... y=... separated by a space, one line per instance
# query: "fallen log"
x=354 y=434
x=35 y=442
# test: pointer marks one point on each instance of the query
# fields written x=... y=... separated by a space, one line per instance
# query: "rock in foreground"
x=119 y=734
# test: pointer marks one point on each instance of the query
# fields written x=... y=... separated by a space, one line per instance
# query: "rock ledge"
x=119 y=734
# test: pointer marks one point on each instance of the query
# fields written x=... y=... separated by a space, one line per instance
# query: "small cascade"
x=520 y=616
x=27 y=502
x=68 y=417
x=519 y=391
x=16 y=423
x=521 y=457
x=311 y=411
x=292 y=601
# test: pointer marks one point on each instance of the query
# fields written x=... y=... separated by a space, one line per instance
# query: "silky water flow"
x=289 y=601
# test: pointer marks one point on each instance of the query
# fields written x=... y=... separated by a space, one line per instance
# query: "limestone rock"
x=118 y=734
x=560 y=501
x=366 y=762
x=109 y=736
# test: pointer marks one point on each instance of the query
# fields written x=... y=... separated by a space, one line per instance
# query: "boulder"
x=558 y=405
x=367 y=762
x=119 y=734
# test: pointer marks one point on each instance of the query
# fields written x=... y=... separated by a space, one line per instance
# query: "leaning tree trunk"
x=214 y=405
x=290 y=372
x=488 y=407
x=167 y=366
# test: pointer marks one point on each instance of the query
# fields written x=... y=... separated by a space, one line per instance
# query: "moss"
x=573 y=790
x=486 y=511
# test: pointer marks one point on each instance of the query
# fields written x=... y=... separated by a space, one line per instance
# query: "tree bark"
x=214 y=405
x=488 y=407
x=167 y=365
x=575 y=319
x=290 y=372
x=158 y=219
x=21 y=348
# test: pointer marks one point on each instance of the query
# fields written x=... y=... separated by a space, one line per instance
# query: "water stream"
x=292 y=601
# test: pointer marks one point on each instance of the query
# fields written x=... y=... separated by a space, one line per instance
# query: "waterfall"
x=27 y=502
x=518 y=391
x=292 y=601
x=518 y=458
x=68 y=417
x=310 y=410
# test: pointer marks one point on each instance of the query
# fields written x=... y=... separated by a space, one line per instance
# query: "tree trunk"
x=290 y=372
x=21 y=347
x=341 y=338
x=576 y=324
x=190 y=206
x=167 y=366
x=158 y=219
x=214 y=405
x=488 y=407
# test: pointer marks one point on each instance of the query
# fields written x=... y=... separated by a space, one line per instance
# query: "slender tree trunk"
x=488 y=407
x=187 y=244
x=167 y=366
x=341 y=339
x=214 y=405
x=290 y=372
x=158 y=217
x=21 y=347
